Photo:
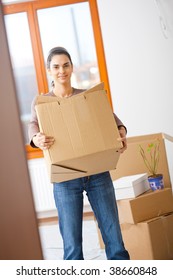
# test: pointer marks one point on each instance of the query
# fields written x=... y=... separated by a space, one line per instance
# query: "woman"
x=69 y=195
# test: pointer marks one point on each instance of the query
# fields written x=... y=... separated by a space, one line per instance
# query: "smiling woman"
x=68 y=191
x=33 y=29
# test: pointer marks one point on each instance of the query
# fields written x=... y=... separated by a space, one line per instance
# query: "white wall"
x=140 y=63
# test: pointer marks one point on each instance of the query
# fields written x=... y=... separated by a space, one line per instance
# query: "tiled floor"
x=52 y=243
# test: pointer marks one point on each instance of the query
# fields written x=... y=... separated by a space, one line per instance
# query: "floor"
x=52 y=243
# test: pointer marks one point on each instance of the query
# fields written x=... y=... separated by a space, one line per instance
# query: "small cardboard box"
x=131 y=186
x=146 y=206
x=85 y=132
x=149 y=240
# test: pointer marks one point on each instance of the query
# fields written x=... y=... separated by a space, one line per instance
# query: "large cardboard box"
x=85 y=132
x=148 y=240
x=131 y=186
x=146 y=206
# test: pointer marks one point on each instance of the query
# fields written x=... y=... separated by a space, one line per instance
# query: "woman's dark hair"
x=55 y=51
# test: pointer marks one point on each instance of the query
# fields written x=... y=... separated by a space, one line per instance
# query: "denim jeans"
x=69 y=202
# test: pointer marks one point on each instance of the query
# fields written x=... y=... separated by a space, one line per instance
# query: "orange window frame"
x=31 y=9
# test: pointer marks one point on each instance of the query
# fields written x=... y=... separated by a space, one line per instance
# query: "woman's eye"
x=58 y=67
x=55 y=67
x=67 y=65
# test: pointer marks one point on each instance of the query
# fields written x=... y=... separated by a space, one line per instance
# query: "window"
x=70 y=26
x=22 y=63
x=33 y=28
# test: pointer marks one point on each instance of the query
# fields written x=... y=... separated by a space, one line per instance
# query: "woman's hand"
x=42 y=141
x=122 y=132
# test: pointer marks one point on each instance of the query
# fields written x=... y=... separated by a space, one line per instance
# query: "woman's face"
x=60 y=69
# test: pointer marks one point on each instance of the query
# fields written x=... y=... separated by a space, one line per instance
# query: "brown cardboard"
x=85 y=132
x=146 y=206
x=149 y=240
x=131 y=162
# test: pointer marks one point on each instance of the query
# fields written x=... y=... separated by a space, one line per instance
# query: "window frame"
x=31 y=9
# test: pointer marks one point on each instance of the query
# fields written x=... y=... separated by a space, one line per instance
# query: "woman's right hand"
x=42 y=141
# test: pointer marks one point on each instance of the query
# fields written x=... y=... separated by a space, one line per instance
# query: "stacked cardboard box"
x=151 y=239
x=147 y=220
x=146 y=206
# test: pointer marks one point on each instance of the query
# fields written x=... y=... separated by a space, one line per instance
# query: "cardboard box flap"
x=98 y=87
x=83 y=164
x=162 y=217
x=60 y=169
x=149 y=137
x=41 y=99
x=48 y=99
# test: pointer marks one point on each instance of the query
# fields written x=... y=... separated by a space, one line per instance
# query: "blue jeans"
x=69 y=202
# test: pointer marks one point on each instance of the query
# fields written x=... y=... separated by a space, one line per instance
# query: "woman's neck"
x=63 y=90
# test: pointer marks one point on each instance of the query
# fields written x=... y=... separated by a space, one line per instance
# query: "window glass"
x=70 y=26
x=22 y=63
